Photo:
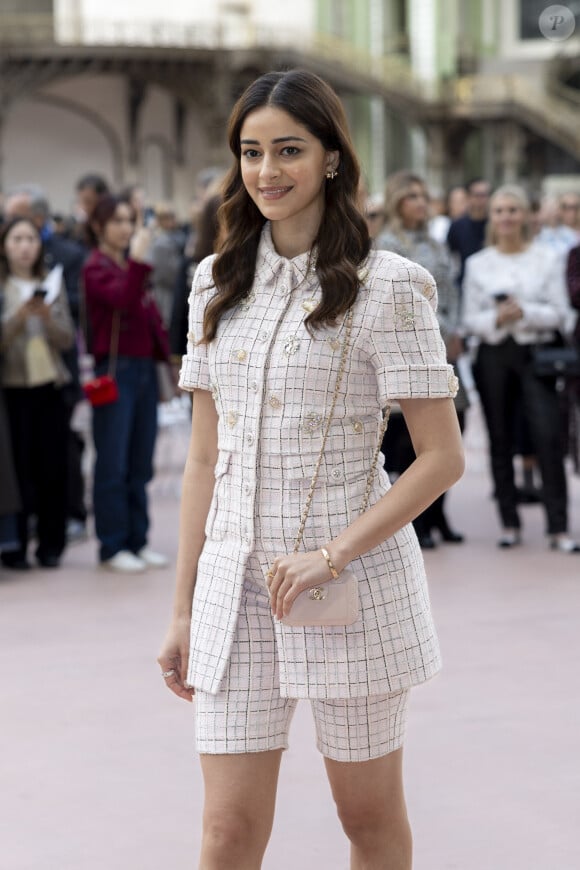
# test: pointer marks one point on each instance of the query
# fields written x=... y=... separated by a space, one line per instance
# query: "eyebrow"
x=274 y=141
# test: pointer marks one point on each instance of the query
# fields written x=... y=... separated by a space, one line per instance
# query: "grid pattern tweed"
x=248 y=713
x=273 y=383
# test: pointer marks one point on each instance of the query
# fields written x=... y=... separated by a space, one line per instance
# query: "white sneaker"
x=124 y=562
x=153 y=559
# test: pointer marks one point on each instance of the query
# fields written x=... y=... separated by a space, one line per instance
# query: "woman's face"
x=117 y=232
x=284 y=168
x=507 y=218
x=22 y=247
x=414 y=207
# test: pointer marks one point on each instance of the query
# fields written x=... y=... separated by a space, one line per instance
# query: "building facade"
x=452 y=89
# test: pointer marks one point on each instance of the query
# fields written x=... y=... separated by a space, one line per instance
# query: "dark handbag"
x=556 y=361
x=103 y=390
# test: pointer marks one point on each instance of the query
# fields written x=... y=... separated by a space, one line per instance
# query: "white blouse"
x=534 y=277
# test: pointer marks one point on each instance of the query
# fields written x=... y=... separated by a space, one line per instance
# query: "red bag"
x=101 y=391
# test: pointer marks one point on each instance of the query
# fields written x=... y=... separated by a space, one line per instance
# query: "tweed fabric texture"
x=273 y=384
x=248 y=714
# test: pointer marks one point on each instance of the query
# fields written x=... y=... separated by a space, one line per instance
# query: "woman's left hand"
x=290 y=575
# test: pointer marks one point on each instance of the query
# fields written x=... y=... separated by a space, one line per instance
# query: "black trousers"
x=38 y=425
x=398 y=451
x=503 y=377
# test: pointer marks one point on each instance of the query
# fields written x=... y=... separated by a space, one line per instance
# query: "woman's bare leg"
x=371 y=807
x=240 y=796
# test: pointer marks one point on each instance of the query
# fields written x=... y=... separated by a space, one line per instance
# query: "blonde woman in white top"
x=267 y=334
x=515 y=299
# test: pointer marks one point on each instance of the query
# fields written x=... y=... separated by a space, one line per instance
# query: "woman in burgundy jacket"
x=119 y=304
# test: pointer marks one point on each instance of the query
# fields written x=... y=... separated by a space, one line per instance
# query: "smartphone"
x=39 y=293
x=501 y=297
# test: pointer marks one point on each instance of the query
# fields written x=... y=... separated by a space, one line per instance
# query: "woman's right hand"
x=174 y=656
x=508 y=311
x=141 y=244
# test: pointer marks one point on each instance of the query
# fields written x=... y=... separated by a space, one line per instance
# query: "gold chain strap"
x=371 y=474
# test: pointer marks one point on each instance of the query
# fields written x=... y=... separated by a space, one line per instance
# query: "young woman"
x=407 y=233
x=36 y=328
x=515 y=299
x=125 y=322
x=270 y=317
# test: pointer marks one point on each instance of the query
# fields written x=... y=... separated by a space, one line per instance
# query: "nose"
x=269 y=168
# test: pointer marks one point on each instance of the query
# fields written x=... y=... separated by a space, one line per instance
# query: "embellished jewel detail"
x=336 y=473
x=241 y=355
x=362 y=274
x=334 y=342
x=406 y=319
x=274 y=402
x=309 y=305
x=453 y=383
x=291 y=345
x=428 y=291
x=191 y=336
x=248 y=301
x=312 y=422
x=357 y=426
x=232 y=418
x=214 y=390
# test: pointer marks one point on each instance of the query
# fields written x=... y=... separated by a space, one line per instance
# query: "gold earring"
x=332 y=173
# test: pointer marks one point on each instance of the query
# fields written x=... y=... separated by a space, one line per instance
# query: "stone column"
x=436 y=157
x=511 y=150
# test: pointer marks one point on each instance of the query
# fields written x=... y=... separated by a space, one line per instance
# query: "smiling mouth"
x=273 y=192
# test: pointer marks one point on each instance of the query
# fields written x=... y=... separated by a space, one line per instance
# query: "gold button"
x=362 y=275
x=274 y=402
x=241 y=355
x=232 y=418
x=453 y=384
x=309 y=305
x=357 y=426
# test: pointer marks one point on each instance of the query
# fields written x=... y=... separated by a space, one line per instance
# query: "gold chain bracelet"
x=329 y=562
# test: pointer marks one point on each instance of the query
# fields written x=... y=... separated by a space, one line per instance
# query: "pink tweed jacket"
x=273 y=383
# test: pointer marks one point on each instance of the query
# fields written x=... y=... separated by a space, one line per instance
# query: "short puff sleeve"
x=194 y=374
x=406 y=348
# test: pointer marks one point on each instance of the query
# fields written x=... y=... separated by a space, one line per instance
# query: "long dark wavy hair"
x=342 y=242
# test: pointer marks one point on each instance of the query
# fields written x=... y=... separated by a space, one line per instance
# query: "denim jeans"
x=124 y=433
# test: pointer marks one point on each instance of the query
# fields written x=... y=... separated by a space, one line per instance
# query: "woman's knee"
x=231 y=834
x=363 y=822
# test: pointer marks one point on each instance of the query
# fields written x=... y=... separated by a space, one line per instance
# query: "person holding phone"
x=515 y=299
x=36 y=328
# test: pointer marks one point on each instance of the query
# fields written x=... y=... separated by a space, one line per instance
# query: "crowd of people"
x=89 y=304
x=114 y=280
x=507 y=271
